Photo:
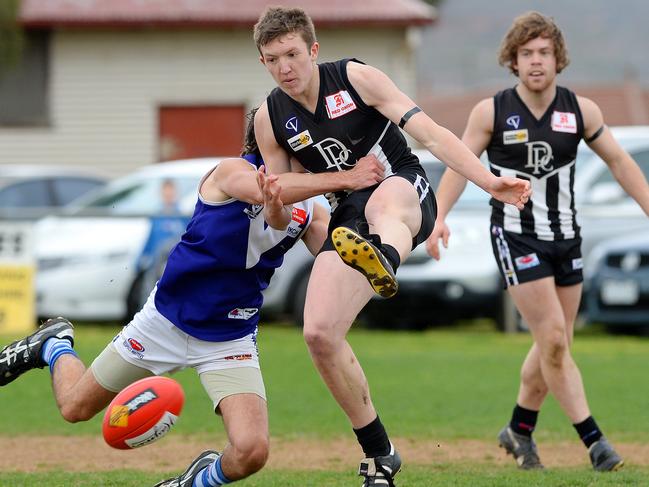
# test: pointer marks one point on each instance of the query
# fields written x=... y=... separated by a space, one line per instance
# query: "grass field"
x=446 y=387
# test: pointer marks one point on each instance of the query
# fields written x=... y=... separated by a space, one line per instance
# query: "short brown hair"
x=527 y=27
x=276 y=22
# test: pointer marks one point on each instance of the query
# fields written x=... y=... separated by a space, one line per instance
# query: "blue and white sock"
x=54 y=348
x=212 y=475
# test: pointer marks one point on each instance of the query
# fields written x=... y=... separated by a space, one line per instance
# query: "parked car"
x=30 y=192
x=617 y=293
x=101 y=259
x=95 y=261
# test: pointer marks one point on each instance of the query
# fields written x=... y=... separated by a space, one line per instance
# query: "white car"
x=92 y=262
x=101 y=260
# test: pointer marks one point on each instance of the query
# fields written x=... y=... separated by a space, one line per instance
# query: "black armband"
x=407 y=116
x=595 y=135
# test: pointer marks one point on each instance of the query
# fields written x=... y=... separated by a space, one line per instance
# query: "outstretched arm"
x=377 y=90
x=624 y=168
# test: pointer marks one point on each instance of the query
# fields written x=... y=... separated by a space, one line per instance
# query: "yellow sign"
x=17 y=300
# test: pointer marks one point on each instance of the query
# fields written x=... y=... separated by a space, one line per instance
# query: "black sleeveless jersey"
x=342 y=130
x=542 y=151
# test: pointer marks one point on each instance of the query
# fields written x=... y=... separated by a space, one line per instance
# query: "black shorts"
x=350 y=213
x=522 y=258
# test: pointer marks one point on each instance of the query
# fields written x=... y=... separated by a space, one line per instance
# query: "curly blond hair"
x=529 y=26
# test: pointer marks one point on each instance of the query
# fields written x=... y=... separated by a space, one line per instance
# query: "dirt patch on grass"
x=90 y=454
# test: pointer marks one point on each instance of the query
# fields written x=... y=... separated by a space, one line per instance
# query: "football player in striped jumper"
x=532 y=131
x=203 y=313
x=322 y=119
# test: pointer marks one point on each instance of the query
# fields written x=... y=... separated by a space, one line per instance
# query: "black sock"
x=373 y=439
x=588 y=431
x=392 y=255
x=387 y=250
x=523 y=420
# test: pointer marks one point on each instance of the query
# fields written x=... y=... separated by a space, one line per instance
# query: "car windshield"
x=139 y=195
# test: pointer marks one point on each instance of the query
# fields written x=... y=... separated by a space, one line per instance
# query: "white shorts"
x=151 y=344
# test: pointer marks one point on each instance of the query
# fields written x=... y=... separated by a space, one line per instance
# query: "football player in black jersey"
x=532 y=131
x=323 y=118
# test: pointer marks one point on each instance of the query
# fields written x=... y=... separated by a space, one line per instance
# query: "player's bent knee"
x=319 y=343
x=554 y=350
x=77 y=413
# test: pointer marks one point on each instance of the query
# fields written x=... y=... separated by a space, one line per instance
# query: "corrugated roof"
x=218 y=13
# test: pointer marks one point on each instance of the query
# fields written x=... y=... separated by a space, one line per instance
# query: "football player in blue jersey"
x=203 y=313
x=323 y=118
x=532 y=132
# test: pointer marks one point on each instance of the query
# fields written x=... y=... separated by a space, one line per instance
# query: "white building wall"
x=106 y=87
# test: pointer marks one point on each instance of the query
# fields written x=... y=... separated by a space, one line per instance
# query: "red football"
x=143 y=412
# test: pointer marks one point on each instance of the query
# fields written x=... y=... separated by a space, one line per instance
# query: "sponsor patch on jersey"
x=564 y=122
x=339 y=104
x=300 y=141
x=577 y=264
x=527 y=261
x=242 y=313
x=293 y=230
x=515 y=136
x=299 y=215
x=513 y=121
x=253 y=211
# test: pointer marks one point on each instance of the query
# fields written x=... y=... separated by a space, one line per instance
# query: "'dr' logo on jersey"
x=334 y=153
x=539 y=157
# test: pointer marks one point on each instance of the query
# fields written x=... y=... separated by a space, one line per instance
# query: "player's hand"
x=274 y=211
x=367 y=172
x=513 y=191
x=442 y=231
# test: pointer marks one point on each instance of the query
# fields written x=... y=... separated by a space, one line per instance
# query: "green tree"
x=11 y=35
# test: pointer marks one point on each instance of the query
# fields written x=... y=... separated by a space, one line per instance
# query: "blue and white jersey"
x=211 y=287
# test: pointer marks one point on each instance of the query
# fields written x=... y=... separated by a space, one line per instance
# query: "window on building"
x=24 y=86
